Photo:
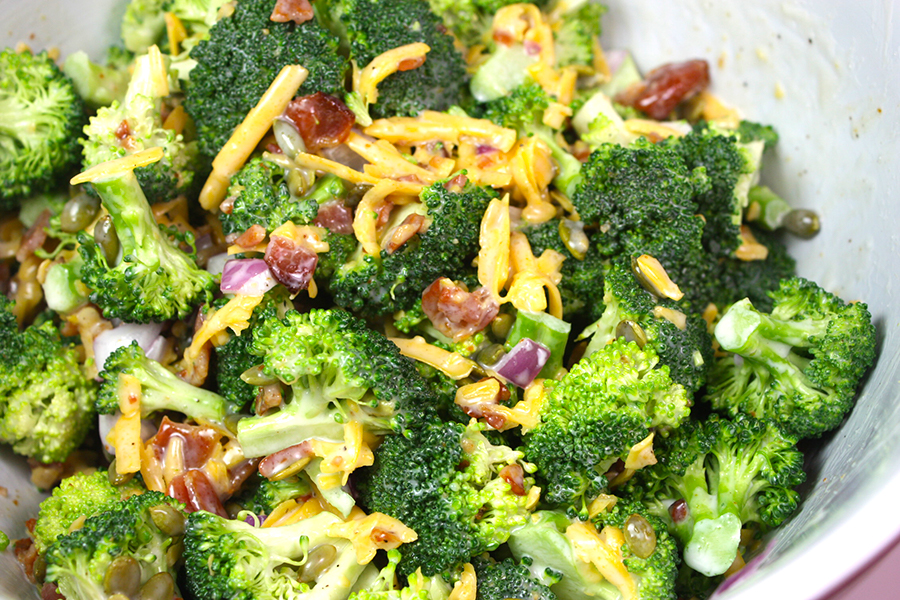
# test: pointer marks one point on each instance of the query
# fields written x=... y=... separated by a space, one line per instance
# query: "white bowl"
x=825 y=73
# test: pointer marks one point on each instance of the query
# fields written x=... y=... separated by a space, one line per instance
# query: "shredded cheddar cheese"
x=603 y=551
x=234 y=315
x=641 y=454
x=601 y=503
x=119 y=166
x=385 y=161
x=365 y=81
x=375 y=532
x=126 y=434
x=451 y=364
x=526 y=291
x=493 y=254
x=432 y=126
x=366 y=217
x=465 y=588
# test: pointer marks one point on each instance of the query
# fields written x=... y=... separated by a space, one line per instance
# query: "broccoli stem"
x=162 y=390
x=544 y=329
x=301 y=419
x=757 y=336
x=132 y=217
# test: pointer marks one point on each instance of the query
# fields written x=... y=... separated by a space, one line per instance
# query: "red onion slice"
x=110 y=340
x=614 y=59
x=523 y=363
x=247 y=276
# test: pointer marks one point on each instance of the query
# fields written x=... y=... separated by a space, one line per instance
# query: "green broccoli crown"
x=581 y=287
x=469 y=20
x=240 y=59
x=160 y=388
x=686 y=350
x=507 y=579
x=340 y=248
x=135 y=124
x=748 y=131
x=575 y=33
x=154 y=280
x=721 y=155
x=126 y=533
x=232 y=559
x=261 y=197
x=47 y=403
x=41 y=117
x=605 y=404
x=437 y=84
x=261 y=496
x=443 y=481
x=799 y=364
x=233 y=358
x=520 y=109
x=656 y=573
x=382 y=285
x=81 y=495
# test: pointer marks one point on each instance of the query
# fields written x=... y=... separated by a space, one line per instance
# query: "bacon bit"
x=194 y=489
x=456 y=184
x=298 y=11
x=336 y=217
x=455 y=312
x=514 y=475
x=50 y=592
x=35 y=237
x=479 y=399
x=274 y=148
x=410 y=226
x=408 y=64
x=250 y=238
x=26 y=554
x=275 y=464
x=30 y=524
x=665 y=87
x=291 y=264
x=501 y=36
x=269 y=396
x=322 y=120
x=199 y=443
x=383 y=212
x=123 y=134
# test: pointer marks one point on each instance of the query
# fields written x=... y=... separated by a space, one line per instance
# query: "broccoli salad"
x=399 y=300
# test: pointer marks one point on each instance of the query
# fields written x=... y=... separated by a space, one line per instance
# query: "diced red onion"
x=247 y=276
x=484 y=149
x=614 y=59
x=109 y=341
x=532 y=48
x=523 y=363
x=275 y=463
x=157 y=349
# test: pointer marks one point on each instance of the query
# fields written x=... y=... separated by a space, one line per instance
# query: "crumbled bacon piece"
x=665 y=87
x=253 y=236
x=194 y=489
x=335 y=216
x=275 y=463
x=383 y=212
x=455 y=312
x=514 y=475
x=410 y=226
x=123 y=134
x=456 y=184
x=269 y=396
x=198 y=443
x=322 y=120
x=291 y=264
x=26 y=554
x=50 y=592
x=298 y=11
x=35 y=237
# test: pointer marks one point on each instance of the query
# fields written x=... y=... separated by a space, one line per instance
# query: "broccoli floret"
x=41 y=117
x=143 y=24
x=233 y=357
x=437 y=84
x=418 y=586
x=240 y=59
x=507 y=580
x=748 y=131
x=733 y=279
x=337 y=369
x=231 y=559
x=152 y=279
x=99 y=85
x=135 y=124
x=380 y=285
x=261 y=496
x=575 y=32
x=523 y=110
x=630 y=311
x=340 y=248
x=731 y=167
x=799 y=365
x=46 y=402
x=731 y=474
x=136 y=539
x=606 y=404
x=160 y=388
x=551 y=545
x=443 y=481
x=81 y=495
x=469 y=20
x=261 y=197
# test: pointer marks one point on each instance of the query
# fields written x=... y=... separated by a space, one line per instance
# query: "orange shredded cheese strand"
x=465 y=588
x=234 y=315
x=386 y=161
x=375 y=532
x=383 y=65
x=432 y=126
x=603 y=551
x=451 y=364
x=493 y=254
x=532 y=171
x=126 y=434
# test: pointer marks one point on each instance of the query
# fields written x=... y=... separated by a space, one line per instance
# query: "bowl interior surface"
x=824 y=73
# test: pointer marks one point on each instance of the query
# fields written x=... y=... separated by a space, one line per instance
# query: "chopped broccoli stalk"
x=41 y=116
x=125 y=536
x=435 y=85
x=544 y=329
x=62 y=290
x=160 y=388
x=730 y=474
x=577 y=28
x=231 y=559
x=81 y=495
x=770 y=211
x=443 y=481
x=242 y=56
x=46 y=402
x=502 y=73
x=337 y=369
x=799 y=365
x=143 y=24
x=598 y=123
x=604 y=405
x=626 y=75
x=98 y=85
x=153 y=280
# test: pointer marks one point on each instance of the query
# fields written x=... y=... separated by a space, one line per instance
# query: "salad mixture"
x=395 y=300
